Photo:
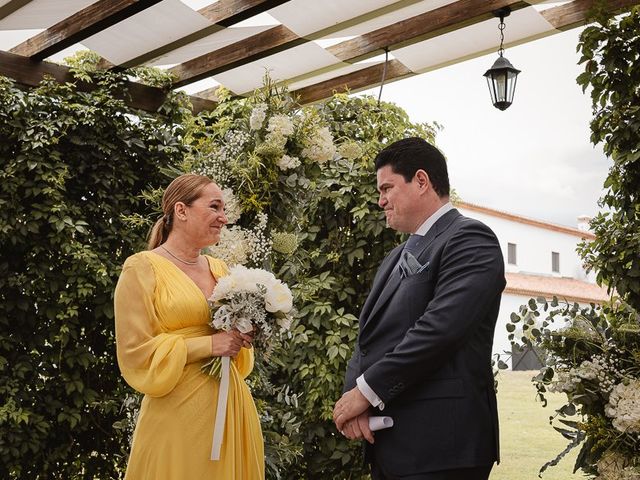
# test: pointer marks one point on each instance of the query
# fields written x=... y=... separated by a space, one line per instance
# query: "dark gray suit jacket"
x=425 y=348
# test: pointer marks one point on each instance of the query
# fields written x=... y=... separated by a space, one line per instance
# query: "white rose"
x=278 y=298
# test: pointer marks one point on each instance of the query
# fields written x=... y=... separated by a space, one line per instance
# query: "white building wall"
x=534 y=245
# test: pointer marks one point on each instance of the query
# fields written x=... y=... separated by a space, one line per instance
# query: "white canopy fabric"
x=307 y=44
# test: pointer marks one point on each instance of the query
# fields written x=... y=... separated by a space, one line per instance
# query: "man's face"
x=401 y=200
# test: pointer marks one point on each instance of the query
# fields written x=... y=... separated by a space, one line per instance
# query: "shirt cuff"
x=368 y=393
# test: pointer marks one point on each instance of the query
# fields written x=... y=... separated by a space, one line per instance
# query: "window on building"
x=555 y=262
x=511 y=253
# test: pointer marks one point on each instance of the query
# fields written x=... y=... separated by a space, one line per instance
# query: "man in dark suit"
x=423 y=353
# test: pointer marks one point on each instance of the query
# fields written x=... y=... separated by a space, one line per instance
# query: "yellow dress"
x=161 y=321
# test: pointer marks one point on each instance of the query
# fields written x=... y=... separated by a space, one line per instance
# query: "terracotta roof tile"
x=562 y=287
x=527 y=221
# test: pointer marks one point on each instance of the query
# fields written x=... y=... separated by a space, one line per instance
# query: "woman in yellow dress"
x=163 y=338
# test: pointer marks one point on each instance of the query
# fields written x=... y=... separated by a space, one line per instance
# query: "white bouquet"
x=250 y=300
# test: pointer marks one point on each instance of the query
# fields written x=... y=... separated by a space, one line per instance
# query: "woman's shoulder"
x=218 y=266
x=139 y=260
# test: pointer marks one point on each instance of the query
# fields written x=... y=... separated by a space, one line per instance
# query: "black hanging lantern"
x=502 y=76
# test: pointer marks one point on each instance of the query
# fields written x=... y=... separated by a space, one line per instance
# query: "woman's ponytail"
x=159 y=232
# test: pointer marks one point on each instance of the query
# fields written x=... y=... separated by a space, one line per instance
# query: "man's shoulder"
x=464 y=224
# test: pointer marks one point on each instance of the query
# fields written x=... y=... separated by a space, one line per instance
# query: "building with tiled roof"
x=540 y=261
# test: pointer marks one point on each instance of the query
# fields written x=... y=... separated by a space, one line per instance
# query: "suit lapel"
x=382 y=290
x=381 y=281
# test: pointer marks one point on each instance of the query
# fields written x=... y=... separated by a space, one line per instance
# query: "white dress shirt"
x=362 y=384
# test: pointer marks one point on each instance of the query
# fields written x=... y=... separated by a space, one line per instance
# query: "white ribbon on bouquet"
x=221 y=411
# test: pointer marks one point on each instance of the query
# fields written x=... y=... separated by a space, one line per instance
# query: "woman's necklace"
x=178 y=258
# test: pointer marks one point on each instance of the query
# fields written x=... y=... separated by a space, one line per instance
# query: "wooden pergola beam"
x=563 y=17
x=229 y=12
x=223 y=13
x=12 y=6
x=574 y=14
x=352 y=81
x=453 y=16
x=88 y=21
x=261 y=45
x=28 y=72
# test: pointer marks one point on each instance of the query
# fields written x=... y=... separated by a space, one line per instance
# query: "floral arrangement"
x=268 y=157
x=250 y=300
x=592 y=355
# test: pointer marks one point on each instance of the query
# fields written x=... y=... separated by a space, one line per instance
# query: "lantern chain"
x=501 y=26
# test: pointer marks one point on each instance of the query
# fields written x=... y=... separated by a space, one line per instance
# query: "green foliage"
x=594 y=356
x=591 y=352
x=72 y=164
x=611 y=56
x=81 y=176
x=345 y=247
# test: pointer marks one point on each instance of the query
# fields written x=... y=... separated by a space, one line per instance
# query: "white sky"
x=533 y=159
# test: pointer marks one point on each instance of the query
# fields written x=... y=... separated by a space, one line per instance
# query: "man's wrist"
x=368 y=393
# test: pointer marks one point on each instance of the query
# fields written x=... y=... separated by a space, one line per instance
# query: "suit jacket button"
x=363 y=352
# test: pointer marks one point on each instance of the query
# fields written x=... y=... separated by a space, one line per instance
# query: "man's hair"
x=407 y=156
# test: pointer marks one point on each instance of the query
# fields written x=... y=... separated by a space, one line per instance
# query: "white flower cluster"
x=260 y=244
x=287 y=162
x=234 y=143
x=601 y=369
x=232 y=207
x=277 y=296
x=233 y=247
x=624 y=406
x=258 y=114
x=565 y=382
x=250 y=300
x=320 y=147
x=215 y=167
x=240 y=246
x=280 y=126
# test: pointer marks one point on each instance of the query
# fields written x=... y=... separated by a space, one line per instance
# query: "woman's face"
x=204 y=218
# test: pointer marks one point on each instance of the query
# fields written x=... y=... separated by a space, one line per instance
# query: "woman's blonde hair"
x=186 y=189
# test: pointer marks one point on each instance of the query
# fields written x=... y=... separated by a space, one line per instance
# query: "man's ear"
x=422 y=178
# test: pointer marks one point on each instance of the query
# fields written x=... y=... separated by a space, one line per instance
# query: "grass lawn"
x=527 y=440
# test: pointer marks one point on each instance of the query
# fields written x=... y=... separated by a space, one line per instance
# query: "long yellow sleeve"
x=151 y=360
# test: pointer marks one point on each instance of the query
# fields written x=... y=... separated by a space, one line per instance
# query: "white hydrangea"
x=232 y=207
x=280 y=125
x=320 y=147
x=287 y=162
x=258 y=114
x=624 y=406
